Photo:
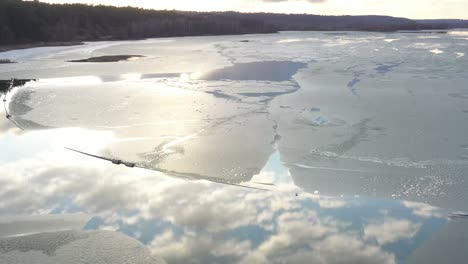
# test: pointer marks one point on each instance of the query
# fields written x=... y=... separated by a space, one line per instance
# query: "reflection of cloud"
x=197 y=221
x=306 y=238
x=331 y=203
x=202 y=249
x=212 y=211
x=334 y=248
x=391 y=230
x=299 y=237
x=423 y=210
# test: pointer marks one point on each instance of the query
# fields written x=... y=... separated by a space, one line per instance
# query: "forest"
x=23 y=22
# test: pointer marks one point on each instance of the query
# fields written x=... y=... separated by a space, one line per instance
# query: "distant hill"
x=334 y=23
x=444 y=23
x=23 y=22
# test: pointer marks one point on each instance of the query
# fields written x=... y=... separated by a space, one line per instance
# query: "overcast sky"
x=401 y=8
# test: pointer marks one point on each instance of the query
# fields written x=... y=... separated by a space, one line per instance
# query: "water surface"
x=361 y=141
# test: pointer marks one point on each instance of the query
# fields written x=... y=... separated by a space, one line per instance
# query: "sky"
x=416 y=9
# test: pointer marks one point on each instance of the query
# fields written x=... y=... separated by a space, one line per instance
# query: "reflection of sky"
x=186 y=221
x=206 y=222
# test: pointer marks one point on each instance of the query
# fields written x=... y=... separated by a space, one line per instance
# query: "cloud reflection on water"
x=204 y=222
x=354 y=146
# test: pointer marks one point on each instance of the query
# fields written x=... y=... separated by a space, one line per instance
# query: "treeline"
x=23 y=22
x=336 y=23
x=28 y=22
x=443 y=23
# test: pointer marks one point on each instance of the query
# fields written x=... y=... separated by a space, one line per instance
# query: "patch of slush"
x=459 y=33
x=436 y=51
x=75 y=247
x=428 y=37
x=289 y=40
x=302 y=166
x=395 y=162
x=48 y=52
x=425 y=187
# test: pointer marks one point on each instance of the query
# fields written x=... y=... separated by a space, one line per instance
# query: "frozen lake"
x=361 y=138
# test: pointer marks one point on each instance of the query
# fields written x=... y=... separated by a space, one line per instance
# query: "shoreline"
x=6 y=48
x=40 y=44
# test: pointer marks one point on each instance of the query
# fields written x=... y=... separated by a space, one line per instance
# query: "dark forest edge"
x=26 y=24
